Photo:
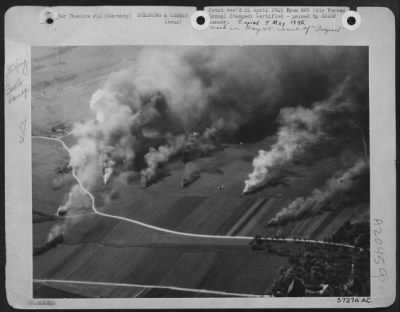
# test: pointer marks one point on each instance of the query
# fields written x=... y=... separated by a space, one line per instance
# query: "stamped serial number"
x=379 y=250
x=353 y=300
x=42 y=302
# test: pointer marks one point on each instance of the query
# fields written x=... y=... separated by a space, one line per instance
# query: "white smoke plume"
x=107 y=174
x=299 y=128
x=76 y=206
x=132 y=108
x=191 y=172
x=56 y=231
x=77 y=201
x=207 y=90
x=148 y=114
x=339 y=182
x=195 y=144
x=193 y=169
x=155 y=157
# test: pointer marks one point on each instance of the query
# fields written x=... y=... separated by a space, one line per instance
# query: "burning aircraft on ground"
x=184 y=102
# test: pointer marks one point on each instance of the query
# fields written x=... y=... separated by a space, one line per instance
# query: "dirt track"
x=105 y=260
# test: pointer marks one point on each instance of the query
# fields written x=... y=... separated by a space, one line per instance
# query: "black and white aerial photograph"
x=200 y=171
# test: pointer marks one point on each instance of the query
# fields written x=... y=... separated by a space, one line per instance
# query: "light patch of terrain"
x=102 y=249
x=64 y=79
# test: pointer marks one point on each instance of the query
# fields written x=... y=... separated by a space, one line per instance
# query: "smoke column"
x=77 y=200
x=184 y=100
x=190 y=173
x=76 y=205
x=340 y=182
x=155 y=157
x=212 y=91
x=301 y=128
x=56 y=231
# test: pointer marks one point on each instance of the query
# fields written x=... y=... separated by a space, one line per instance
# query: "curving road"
x=165 y=230
x=153 y=227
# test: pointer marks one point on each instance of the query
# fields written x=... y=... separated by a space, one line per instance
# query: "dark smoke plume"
x=337 y=186
x=234 y=93
x=300 y=128
x=179 y=101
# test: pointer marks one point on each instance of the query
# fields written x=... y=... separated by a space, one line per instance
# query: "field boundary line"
x=153 y=227
x=206 y=291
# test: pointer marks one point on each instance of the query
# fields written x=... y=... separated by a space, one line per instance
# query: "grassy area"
x=47 y=156
x=108 y=250
x=63 y=80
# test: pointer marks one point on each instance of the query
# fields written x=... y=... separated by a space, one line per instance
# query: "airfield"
x=163 y=240
x=106 y=250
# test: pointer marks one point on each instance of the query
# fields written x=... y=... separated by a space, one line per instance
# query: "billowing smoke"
x=301 y=128
x=108 y=167
x=143 y=114
x=77 y=202
x=336 y=186
x=123 y=179
x=191 y=146
x=108 y=171
x=157 y=156
x=191 y=173
x=84 y=158
x=181 y=102
x=55 y=237
x=194 y=168
x=56 y=231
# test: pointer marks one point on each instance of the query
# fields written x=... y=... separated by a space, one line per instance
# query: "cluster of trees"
x=308 y=272
x=358 y=234
x=328 y=270
x=355 y=233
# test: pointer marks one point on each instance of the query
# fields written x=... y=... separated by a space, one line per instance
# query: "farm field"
x=47 y=156
x=56 y=71
x=100 y=249
x=198 y=172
